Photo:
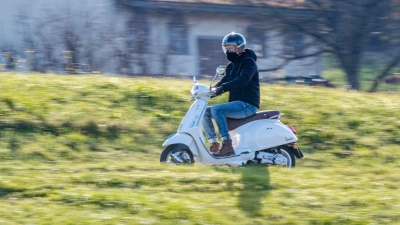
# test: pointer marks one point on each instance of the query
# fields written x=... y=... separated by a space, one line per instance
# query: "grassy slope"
x=85 y=150
x=367 y=78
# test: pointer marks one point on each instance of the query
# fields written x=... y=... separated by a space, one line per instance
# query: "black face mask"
x=231 y=56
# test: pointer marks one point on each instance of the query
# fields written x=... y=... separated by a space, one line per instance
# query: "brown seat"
x=235 y=123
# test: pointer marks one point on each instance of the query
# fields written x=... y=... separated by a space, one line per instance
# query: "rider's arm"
x=246 y=74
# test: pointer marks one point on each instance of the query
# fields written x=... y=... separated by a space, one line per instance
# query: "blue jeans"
x=234 y=110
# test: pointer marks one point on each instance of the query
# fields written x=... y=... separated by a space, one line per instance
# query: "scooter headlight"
x=193 y=91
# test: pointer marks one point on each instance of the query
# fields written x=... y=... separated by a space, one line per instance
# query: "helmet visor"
x=229 y=48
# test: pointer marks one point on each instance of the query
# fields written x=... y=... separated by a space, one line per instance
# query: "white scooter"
x=258 y=139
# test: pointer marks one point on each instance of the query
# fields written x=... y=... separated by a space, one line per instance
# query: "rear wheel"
x=177 y=154
x=288 y=153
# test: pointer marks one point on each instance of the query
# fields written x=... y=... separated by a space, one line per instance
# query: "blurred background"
x=347 y=43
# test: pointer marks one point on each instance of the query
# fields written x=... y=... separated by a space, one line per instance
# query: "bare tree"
x=29 y=41
x=344 y=28
x=48 y=45
x=82 y=34
x=138 y=42
x=122 y=56
x=74 y=36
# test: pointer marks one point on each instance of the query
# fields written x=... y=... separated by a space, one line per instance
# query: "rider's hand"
x=219 y=91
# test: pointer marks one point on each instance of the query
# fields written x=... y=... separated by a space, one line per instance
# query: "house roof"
x=254 y=7
x=282 y=3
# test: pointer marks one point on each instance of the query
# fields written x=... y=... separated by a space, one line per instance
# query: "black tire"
x=177 y=154
x=289 y=155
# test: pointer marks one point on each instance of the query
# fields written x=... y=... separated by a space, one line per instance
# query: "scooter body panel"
x=193 y=118
x=206 y=157
x=261 y=134
x=181 y=138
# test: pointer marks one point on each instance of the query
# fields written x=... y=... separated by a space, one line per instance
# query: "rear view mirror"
x=220 y=70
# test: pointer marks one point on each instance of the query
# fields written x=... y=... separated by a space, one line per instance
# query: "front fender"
x=182 y=139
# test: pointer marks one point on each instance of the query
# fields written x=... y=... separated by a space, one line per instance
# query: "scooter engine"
x=270 y=158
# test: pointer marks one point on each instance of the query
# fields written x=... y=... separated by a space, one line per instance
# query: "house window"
x=178 y=38
x=293 y=44
x=138 y=35
x=256 y=41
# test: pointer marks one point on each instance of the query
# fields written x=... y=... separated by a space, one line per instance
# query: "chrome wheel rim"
x=287 y=156
x=179 y=157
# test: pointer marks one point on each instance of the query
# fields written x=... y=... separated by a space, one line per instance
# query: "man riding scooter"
x=241 y=80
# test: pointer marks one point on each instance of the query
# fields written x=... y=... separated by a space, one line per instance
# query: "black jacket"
x=242 y=80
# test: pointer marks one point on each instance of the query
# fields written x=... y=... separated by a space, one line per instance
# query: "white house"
x=188 y=34
x=153 y=37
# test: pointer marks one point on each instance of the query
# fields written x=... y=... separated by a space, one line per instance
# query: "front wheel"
x=177 y=154
x=288 y=153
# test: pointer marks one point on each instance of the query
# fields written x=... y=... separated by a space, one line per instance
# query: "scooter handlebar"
x=212 y=92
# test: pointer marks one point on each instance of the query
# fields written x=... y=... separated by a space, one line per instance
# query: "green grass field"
x=85 y=150
x=367 y=77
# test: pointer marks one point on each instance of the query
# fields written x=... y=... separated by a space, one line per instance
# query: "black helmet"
x=234 y=39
